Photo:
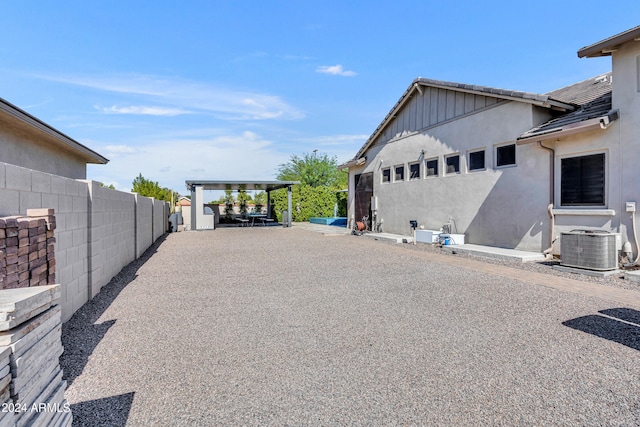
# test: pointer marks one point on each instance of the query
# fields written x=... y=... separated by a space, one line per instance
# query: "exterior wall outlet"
x=630 y=206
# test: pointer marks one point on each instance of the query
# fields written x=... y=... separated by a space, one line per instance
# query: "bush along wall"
x=308 y=202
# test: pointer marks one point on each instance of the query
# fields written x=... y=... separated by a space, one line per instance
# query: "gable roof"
x=593 y=98
x=540 y=100
x=59 y=138
x=610 y=44
x=513 y=95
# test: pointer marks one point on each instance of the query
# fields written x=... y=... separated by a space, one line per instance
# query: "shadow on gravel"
x=621 y=325
x=108 y=411
x=81 y=335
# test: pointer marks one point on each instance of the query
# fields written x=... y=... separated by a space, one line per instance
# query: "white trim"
x=382 y=181
x=558 y=172
x=476 y=150
x=584 y=212
x=438 y=168
x=419 y=163
x=495 y=155
x=445 y=172
x=404 y=172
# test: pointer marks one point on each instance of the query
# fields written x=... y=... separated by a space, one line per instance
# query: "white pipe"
x=635 y=237
x=552 y=230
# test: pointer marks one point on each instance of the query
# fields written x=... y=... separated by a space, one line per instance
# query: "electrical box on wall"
x=630 y=206
x=374 y=203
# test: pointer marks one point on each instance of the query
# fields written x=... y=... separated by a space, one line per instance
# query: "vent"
x=589 y=249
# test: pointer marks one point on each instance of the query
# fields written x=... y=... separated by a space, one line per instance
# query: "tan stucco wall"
x=27 y=147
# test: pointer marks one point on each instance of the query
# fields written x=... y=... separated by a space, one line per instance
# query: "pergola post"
x=194 y=210
x=289 y=206
x=268 y=204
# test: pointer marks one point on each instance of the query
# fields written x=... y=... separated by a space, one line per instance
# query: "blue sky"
x=224 y=90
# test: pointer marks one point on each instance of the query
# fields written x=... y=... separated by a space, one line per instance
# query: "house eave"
x=353 y=162
x=602 y=122
x=607 y=46
x=415 y=86
x=65 y=141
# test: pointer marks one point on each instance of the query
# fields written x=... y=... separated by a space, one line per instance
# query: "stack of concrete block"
x=30 y=328
x=27 y=249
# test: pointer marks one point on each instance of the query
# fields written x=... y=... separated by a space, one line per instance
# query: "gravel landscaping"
x=615 y=280
x=273 y=326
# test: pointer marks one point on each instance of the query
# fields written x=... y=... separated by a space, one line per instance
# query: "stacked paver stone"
x=27 y=251
x=30 y=336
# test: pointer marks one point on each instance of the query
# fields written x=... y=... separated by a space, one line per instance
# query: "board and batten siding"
x=433 y=107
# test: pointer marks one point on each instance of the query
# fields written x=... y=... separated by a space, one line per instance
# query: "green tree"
x=318 y=191
x=148 y=188
x=314 y=170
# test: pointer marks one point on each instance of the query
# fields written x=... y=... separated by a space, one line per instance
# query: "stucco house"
x=506 y=168
x=29 y=142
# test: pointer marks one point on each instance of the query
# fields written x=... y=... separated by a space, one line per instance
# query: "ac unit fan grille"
x=593 y=251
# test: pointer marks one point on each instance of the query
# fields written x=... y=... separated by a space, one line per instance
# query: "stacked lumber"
x=27 y=251
x=31 y=331
x=6 y=416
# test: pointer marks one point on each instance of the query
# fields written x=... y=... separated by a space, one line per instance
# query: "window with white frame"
x=582 y=180
x=414 y=170
x=431 y=167
x=452 y=164
x=399 y=173
x=386 y=175
x=476 y=160
x=506 y=155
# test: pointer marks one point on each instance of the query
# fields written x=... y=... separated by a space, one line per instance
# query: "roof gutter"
x=602 y=122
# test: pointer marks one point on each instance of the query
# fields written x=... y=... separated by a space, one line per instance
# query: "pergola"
x=198 y=219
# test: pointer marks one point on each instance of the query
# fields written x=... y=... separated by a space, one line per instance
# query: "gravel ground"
x=615 y=280
x=273 y=326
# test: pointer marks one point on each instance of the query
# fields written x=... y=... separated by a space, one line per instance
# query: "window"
x=452 y=163
x=414 y=171
x=476 y=160
x=432 y=167
x=386 y=175
x=582 y=180
x=506 y=155
x=399 y=173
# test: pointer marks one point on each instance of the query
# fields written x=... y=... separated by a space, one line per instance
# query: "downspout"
x=552 y=188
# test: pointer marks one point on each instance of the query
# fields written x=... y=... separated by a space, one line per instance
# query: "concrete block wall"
x=159 y=218
x=144 y=224
x=113 y=243
x=98 y=230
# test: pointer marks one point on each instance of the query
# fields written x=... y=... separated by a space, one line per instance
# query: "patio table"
x=254 y=216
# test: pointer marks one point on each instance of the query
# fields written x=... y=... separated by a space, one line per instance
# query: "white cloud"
x=335 y=70
x=180 y=96
x=143 y=110
x=119 y=149
x=172 y=161
x=343 y=147
x=340 y=140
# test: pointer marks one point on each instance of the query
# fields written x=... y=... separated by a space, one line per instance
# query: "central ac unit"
x=590 y=249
